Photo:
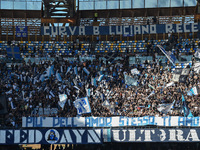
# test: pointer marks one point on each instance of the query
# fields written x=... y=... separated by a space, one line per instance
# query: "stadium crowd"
x=103 y=82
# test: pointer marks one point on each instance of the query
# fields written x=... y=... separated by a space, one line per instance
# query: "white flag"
x=196 y=67
x=135 y=71
x=197 y=54
x=170 y=84
x=82 y=105
x=165 y=108
x=62 y=100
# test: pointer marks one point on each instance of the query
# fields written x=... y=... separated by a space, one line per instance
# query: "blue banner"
x=152 y=135
x=13 y=52
x=120 y=121
x=51 y=136
x=121 y=30
x=21 y=31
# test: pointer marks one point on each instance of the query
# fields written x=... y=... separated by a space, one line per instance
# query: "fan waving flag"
x=193 y=91
x=75 y=70
x=135 y=71
x=58 y=77
x=186 y=110
x=100 y=77
x=86 y=71
x=68 y=69
x=196 y=67
x=82 y=105
x=197 y=54
x=62 y=100
x=165 y=108
x=171 y=57
x=180 y=75
x=130 y=81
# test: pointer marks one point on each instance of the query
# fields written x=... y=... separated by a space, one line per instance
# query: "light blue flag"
x=86 y=71
x=106 y=104
x=68 y=69
x=165 y=108
x=58 y=77
x=186 y=110
x=88 y=92
x=100 y=77
x=190 y=93
x=75 y=70
x=130 y=81
x=62 y=100
x=52 y=67
x=193 y=91
x=82 y=105
x=48 y=71
x=41 y=77
x=94 y=82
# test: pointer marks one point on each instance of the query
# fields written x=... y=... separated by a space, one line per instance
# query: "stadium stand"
x=87 y=76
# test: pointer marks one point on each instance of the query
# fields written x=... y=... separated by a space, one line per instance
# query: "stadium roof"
x=100 y=4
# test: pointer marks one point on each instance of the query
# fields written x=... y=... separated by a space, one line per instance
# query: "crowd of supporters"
x=111 y=96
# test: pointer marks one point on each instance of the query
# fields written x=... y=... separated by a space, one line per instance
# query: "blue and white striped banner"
x=119 y=121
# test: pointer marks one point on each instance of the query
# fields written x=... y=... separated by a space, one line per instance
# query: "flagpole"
x=165 y=54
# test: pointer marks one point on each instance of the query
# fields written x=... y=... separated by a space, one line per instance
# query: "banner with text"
x=151 y=135
x=120 y=121
x=51 y=136
x=120 y=30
